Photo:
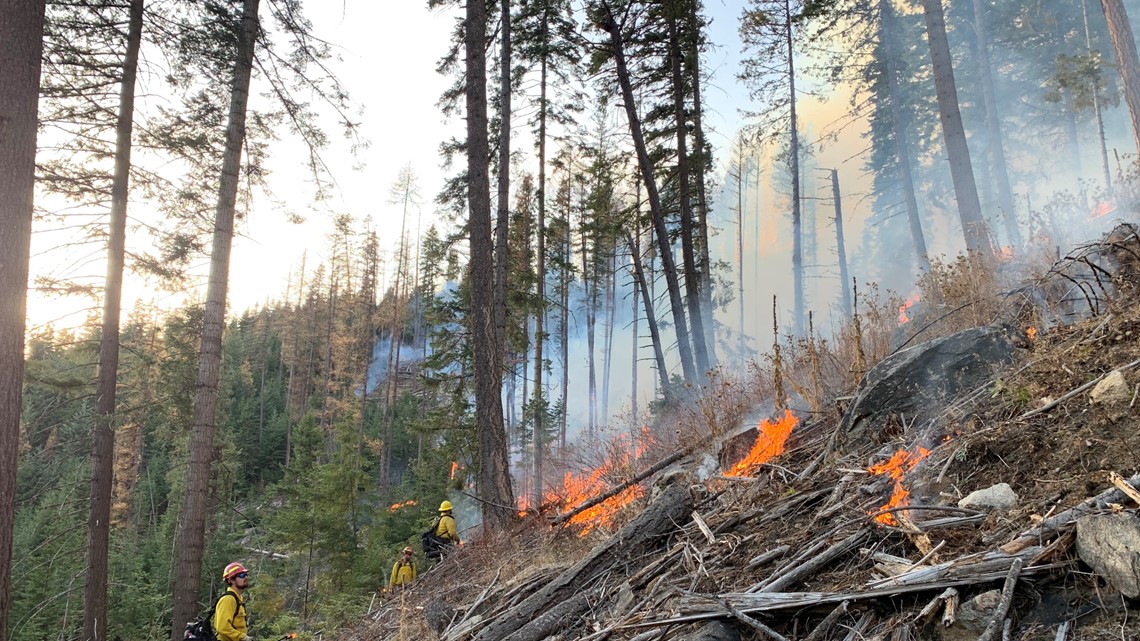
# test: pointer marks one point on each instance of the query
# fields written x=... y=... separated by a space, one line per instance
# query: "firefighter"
x=446 y=529
x=404 y=571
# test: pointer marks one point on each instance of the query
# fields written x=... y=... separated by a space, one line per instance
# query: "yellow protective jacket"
x=446 y=529
x=402 y=573
x=229 y=617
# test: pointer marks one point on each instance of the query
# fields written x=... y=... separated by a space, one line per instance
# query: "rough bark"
x=21 y=31
x=684 y=347
x=103 y=435
x=974 y=230
x=487 y=352
x=701 y=204
x=502 y=222
x=993 y=128
x=902 y=146
x=540 y=314
x=1124 y=44
x=191 y=535
x=638 y=537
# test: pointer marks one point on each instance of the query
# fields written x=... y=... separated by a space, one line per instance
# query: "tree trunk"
x=608 y=349
x=688 y=254
x=191 y=536
x=974 y=230
x=567 y=258
x=21 y=31
x=740 y=187
x=702 y=203
x=540 y=313
x=634 y=328
x=993 y=127
x=1124 y=44
x=103 y=435
x=502 y=224
x=668 y=266
x=487 y=349
x=590 y=283
x=902 y=147
x=1097 y=108
x=797 y=231
x=650 y=319
x=840 y=245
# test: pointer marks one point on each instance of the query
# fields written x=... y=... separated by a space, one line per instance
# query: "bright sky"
x=389 y=51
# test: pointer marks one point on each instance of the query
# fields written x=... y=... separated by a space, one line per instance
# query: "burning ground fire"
x=896 y=468
x=396 y=506
x=577 y=489
x=907 y=304
x=769 y=444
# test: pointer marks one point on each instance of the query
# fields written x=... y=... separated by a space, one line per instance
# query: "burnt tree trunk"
x=840 y=245
x=103 y=435
x=190 y=541
x=797 y=223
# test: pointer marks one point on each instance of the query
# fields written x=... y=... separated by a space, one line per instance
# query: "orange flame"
x=769 y=444
x=577 y=489
x=907 y=304
x=396 y=506
x=1005 y=254
x=1031 y=333
x=454 y=466
x=896 y=468
x=1101 y=210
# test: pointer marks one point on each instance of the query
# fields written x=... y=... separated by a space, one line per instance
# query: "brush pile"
x=1004 y=510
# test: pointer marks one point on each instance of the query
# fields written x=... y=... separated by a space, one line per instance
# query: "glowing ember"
x=769 y=444
x=907 y=304
x=396 y=506
x=454 y=466
x=896 y=468
x=1005 y=253
x=1101 y=210
x=1031 y=333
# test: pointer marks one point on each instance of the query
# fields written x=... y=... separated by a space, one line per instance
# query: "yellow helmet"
x=445 y=506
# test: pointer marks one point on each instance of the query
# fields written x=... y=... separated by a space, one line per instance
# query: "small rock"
x=1112 y=389
x=997 y=497
x=973 y=617
x=1110 y=545
x=714 y=631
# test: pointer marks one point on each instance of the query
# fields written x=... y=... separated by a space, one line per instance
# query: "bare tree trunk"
x=633 y=409
x=688 y=254
x=797 y=224
x=974 y=230
x=1124 y=44
x=590 y=283
x=103 y=436
x=650 y=319
x=840 y=245
x=1097 y=108
x=684 y=347
x=740 y=187
x=487 y=349
x=567 y=258
x=540 y=315
x=993 y=127
x=902 y=147
x=191 y=536
x=702 y=204
x=21 y=31
x=608 y=349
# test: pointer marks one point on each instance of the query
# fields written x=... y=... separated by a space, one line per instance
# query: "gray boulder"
x=973 y=617
x=1110 y=545
x=996 y=497
x=916 y=380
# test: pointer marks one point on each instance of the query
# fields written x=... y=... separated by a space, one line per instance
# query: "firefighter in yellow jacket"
x=229 y=612
x=404 y=571
x=447 y=529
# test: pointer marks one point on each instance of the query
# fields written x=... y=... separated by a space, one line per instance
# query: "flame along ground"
x=576 y=489
x=907 y=304
x=896 y=468
x=769 y=444
x=396 y=506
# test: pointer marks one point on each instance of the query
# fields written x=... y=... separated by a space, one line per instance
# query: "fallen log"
x=641 y=534
x=807 y=569
x=1003 y=606
x=1053 y=525
x=619 y=488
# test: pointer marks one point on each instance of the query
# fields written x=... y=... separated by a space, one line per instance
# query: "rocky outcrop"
x=1110 y=545
x=914 y=381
